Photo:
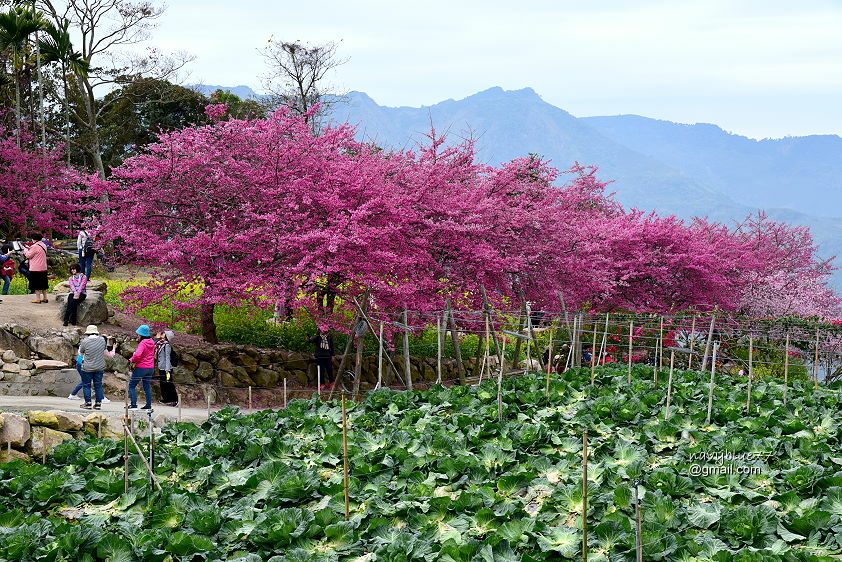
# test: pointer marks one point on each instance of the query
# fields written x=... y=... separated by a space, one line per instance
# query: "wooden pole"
x=707 y=344
x=125 y=457
x=179 y=409
x=750 y=371
x=209 y=401
x=710 y=388
x=319 y=377
x=285 y=392
x=585 y=496
x=692 y=339
x=631 y=335
x=44 y=447
x=669 y=382
x=250 y=408
x=786 y=367
x=457 y=349
x=528 y=326
x=345 y=458
x=637 y=538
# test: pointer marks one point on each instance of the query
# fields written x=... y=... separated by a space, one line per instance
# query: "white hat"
x=91 y=330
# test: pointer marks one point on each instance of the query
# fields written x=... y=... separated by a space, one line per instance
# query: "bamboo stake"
x=669 y=382
x=593 y=354
x=345 y=458
x=707 y=344
x=486 y=360
x=407 y=367
x=143 y=458
x=209 y=401
x=786 y=367
x=550 y=362
x=438 y=347
x=285 y=392
x=816 y=362
x=528 y=336
x=602 y=346
x=179 y=409
x=319 y=379
x=380 y=356
x=750 y=370
x=631 y=335
x=500 y=385
x=9 y=448
x=250 y=408
x=637 y=539
x=585 y=496
x=125 y=458
x=692 y=343
x=712 y=376
x=44 y=447
x=661 y=346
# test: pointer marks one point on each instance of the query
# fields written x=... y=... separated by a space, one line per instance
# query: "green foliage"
x=435 y=476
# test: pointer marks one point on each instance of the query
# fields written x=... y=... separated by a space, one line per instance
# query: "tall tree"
x=107 y=28
x=297 y=75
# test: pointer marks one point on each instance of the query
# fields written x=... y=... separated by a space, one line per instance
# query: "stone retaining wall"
x=38 y=432
x=222 y=366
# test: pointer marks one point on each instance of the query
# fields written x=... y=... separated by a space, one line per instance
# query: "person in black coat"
x=323 y=354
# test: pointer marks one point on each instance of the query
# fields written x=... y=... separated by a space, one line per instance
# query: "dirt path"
x=18 y=309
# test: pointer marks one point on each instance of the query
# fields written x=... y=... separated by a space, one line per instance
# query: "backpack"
x=8 y=268
x=174 y=358
x=88 y=248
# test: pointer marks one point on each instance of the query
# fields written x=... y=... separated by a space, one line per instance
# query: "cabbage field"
x=435 y=476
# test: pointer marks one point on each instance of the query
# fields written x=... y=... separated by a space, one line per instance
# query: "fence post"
x=319 y=379
x=500 y=384
x=250 y=408
x=661 y=346
x=380 y=356
x=712 y=376
x=750 y=370
x=692 y=339
x=669 y=383
x=550 y=362
x=707 y=344
x=585 y=496
x=285 y=392
x=593 y=353
x=786 y=367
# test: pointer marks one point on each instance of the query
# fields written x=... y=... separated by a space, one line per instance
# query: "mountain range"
x=671 y=168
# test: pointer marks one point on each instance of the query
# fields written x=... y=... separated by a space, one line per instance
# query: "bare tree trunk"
x=208 y=325
x=457 y=350
x=407 y=365
x=516 y=355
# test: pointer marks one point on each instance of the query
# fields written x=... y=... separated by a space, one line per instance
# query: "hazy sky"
x=760 y=68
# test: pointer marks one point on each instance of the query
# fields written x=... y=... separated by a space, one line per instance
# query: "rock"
x=43 y=419
x=265 y=377
x=27 y=372
x=108 y=427
x=92 y=310
x=117 y=363
x=204 y=371
x=49 y=365
x=225 y=365
x=9 y=455
x=26 y=364
x=11 y=367
x=9 y=356
x=188 y=362
x=45 y=438
x=93 y=285
x=56 y=348
x=67 y=421
x=15 y=430
x=10 y=340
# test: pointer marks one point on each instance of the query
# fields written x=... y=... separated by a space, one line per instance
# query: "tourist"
x=323 y=355
x=164 y=364
x=94 y=349
x=78 y=292
x=38 y=283
x=7 y=268
x=86 y=251
x=143 y=367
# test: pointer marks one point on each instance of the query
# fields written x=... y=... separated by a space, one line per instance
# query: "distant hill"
x=686 y=170
x=243 y=92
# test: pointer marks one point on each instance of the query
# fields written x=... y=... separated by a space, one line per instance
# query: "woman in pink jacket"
x=38 y=282
x=143 y=365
